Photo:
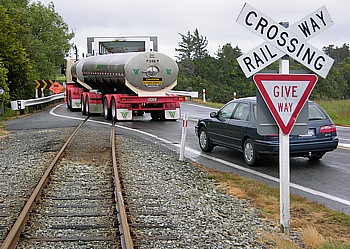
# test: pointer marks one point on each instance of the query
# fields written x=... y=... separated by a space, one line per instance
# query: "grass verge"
x=338 y=110
x=321 y=228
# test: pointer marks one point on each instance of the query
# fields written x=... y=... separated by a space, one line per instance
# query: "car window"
x=226 y=111
x=255 y=111
x=315 y=113
x=242 y=112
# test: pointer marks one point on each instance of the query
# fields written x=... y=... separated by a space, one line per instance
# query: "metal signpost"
x=285 y=94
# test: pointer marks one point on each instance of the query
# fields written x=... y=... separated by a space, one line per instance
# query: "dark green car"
x=234 y=126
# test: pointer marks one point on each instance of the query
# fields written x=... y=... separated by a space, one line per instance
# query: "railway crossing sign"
x=285 y=95
x=282 y=41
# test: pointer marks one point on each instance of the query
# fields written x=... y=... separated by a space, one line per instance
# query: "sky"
x=215 y=20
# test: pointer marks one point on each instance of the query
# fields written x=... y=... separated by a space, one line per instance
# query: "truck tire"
x=113 y=110
x=82 y=104
x=107 y=113
x=87 y=106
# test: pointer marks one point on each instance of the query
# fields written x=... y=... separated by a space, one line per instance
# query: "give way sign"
x=282 y=41
x=285 y=95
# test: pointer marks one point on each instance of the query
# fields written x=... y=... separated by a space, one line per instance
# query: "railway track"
x=74 y=203
x=169 y=203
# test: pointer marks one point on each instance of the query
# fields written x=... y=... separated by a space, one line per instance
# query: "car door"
x=237 y=125
x=217 y=127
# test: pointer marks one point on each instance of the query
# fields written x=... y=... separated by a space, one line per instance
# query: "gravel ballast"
x=188 y=210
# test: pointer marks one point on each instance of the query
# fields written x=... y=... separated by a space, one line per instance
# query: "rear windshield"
x=315 y=112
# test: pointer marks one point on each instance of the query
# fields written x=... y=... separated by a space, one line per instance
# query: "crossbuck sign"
x=281 y=41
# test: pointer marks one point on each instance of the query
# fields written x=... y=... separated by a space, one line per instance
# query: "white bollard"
x=204 y=100
x=183 y=136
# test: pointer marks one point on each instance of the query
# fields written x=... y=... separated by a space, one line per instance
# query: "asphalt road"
x=326 y=181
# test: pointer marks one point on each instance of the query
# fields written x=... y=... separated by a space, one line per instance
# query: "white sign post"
x=284 y=170
x=285 y=94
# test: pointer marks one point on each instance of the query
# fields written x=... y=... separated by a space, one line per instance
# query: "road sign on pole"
x=291 y=41
x=285 y=95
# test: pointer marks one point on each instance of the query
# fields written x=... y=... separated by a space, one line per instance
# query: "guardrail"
x=184 y=93
x=35 y=104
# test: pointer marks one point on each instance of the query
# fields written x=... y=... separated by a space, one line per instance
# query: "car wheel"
x=204 y=140
x=249 y=153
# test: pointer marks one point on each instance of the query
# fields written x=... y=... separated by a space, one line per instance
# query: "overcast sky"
x=216 y=20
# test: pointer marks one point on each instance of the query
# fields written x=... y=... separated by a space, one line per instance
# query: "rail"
x=14 y=234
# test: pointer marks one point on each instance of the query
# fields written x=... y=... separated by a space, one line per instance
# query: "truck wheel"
x=155 y=115
x=107 y=113
x=249 y=153
x=204 y=140
x=113 y=110
x=82 y=104
x=87 y=109
x=158 y=115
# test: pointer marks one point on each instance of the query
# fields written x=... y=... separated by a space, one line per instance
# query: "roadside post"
x=2 y=91
x=285 y=94
x=183 y=136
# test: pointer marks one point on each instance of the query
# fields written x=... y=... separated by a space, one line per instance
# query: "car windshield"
x=226 y=111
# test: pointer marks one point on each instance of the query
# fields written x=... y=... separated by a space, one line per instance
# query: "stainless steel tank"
x=139 y=72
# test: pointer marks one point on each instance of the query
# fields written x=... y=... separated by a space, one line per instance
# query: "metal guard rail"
x=20 y=105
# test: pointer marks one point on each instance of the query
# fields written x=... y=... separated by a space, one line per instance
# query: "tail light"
x=328 y=129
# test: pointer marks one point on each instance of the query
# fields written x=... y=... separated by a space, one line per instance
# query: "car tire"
x=204 y=140
x=249 y=153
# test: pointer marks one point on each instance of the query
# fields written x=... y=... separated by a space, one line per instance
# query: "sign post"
x=284 y=94
x=284 y=162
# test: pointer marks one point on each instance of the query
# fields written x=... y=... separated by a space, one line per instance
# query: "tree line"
x=220 y=75
x=33 y=44
x=35 y=41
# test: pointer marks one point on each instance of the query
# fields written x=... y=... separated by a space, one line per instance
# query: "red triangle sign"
x=285 y=95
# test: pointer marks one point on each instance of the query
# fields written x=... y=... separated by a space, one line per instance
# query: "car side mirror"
x=213 y=114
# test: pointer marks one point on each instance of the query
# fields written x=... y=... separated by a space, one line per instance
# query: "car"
x=235 y=126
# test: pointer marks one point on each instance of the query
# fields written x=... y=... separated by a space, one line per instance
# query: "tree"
x=3 y=85
x=50 y=36
x=13 y=55
x=192 y=46
x=33 y=44
x=337 y=53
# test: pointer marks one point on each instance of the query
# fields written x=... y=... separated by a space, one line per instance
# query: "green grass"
x=338 y=110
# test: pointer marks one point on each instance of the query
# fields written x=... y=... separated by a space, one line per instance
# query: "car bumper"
x=297 y=149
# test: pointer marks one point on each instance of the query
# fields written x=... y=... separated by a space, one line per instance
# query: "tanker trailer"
x=122 y=85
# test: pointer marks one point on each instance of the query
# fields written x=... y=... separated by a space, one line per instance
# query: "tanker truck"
x=120 y=86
